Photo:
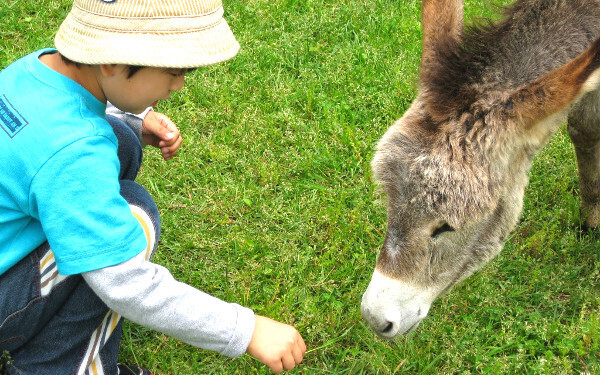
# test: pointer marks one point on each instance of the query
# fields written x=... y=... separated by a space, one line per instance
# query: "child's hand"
x=159 y=131
x=275 y=344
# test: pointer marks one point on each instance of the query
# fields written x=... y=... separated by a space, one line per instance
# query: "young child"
x=76 y=231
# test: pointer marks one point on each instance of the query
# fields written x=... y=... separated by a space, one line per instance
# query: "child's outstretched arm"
x=275 y=344
x=159 y=131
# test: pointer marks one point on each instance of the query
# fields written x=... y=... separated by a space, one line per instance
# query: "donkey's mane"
x=529 y=41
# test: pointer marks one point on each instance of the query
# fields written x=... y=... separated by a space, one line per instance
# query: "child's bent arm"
x=152 y=128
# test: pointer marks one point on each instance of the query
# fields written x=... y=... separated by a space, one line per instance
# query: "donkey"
x=455 y=166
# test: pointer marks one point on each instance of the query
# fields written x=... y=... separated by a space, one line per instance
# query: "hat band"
x=145 y=24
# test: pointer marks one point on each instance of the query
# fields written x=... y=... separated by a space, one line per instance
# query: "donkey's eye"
x=442 y=229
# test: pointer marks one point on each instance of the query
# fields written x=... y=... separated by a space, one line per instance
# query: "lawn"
x=270 y=202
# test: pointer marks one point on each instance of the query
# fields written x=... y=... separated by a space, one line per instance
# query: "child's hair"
x=132 y=69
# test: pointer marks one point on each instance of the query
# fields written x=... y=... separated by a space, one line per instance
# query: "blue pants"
x=49 y=322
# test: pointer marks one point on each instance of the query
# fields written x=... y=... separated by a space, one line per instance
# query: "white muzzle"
x=392 y=307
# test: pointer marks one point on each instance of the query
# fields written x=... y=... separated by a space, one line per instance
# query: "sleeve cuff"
x=242 y=334
x=134 y=121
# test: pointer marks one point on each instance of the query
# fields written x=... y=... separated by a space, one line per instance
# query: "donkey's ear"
x=442 y=22
x=556 y=90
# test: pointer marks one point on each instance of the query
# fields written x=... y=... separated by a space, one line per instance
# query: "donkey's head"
x=454 y=167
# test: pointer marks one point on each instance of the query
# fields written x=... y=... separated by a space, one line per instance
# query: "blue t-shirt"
x=59 y=180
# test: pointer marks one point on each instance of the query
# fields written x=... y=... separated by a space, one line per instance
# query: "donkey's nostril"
x=388 y=328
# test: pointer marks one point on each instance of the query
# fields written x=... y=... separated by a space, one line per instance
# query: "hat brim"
x=171 y=49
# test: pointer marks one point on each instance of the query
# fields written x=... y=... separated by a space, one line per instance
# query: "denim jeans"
x=49 y=321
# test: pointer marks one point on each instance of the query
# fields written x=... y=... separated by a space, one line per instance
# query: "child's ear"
x=108 y=70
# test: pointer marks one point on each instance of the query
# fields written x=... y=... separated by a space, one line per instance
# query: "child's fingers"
x=171 y=143
x=288 y=362
x=161 y=126
x=298 y=353
x=168 y=151
x=276 y=364
x=169 y=131
x=302 y=344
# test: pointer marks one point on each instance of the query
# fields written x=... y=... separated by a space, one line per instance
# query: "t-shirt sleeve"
x=76 y=197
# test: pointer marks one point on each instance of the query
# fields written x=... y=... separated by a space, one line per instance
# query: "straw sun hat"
x=159 y=33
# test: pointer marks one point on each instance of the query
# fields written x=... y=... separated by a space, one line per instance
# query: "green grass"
x=270 y=202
